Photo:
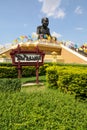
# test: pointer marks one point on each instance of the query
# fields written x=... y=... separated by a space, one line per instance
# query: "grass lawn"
x=33 y=86
x=42 y=79
x=40 y=108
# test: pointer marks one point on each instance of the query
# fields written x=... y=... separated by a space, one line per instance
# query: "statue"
x=43 y=31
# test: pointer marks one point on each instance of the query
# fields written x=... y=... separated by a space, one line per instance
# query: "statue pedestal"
x=59 y=59
x=53 y=57
x=56 y=57
x=2 y=59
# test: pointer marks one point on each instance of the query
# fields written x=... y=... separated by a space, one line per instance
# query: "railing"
x=6 y=60
x=75 y=52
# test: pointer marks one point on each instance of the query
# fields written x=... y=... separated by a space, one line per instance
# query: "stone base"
x=50 y=58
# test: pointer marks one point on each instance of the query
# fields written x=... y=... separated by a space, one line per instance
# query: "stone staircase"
x=71 y=56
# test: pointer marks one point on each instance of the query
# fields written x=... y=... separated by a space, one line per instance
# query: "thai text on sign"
x=28 y=58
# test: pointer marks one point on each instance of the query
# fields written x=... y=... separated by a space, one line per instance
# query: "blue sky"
x=67 y=19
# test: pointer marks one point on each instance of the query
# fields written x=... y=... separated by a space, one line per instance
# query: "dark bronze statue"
x=43 y=31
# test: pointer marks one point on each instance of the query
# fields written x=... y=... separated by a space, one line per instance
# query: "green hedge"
x=9 y=71
x=6 y=64
x=69 y=79
x=74 y=83
x=10 y=85
x=28 y=71
x=52 y=77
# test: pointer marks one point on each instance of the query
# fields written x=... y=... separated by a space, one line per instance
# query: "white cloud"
x=40 y=0
x=78 y=10
x=1 y=46
x=59 y=14
x=52 y=8
x=57 y=35
x=25 y=25
x=34 y=35
x=79 y=28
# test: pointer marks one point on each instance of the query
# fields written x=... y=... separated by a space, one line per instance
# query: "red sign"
x=27 y=58
x=24 y=57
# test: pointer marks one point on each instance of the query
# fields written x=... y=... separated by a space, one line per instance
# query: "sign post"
x=19 y=70
x=37 y=74
x=21 y=57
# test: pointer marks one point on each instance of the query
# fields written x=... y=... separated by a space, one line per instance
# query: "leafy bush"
x=6 y=64
x=74 y=83
x=28 y=71
x=9 y=71
x=42 y=69
x=42 y=110
x=10 y=85
x=52 y=77
x=70 y=79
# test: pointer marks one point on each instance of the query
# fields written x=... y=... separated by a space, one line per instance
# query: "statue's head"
x=45 y=21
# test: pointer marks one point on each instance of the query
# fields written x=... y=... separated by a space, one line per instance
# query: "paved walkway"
x=31 y=84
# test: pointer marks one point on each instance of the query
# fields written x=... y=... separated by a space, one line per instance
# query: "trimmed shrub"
x=52 y=77
x=12 y=72
x=42 y=69
x=74 y=83
x=6 y=64
x=10 y=85
x=28 y=71
x=71 y=80
x=8 y=72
